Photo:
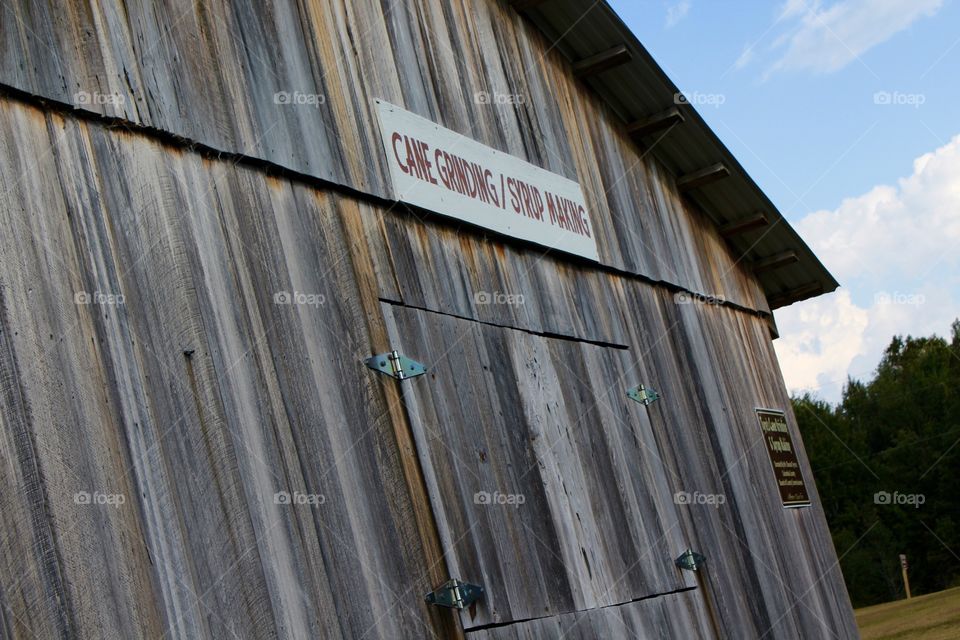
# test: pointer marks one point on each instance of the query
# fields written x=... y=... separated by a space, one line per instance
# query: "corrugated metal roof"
x=640 y=88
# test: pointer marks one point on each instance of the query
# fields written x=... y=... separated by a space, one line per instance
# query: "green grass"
x=935 y=616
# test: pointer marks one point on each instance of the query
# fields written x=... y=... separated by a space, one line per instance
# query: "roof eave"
x=596 y=34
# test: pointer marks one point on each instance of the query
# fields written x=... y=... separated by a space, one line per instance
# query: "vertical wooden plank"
x=260 y=79
x=545 y=423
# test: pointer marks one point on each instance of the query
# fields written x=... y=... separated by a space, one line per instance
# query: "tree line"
x=886 y=461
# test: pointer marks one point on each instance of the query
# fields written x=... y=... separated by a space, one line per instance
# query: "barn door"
x=544 y=477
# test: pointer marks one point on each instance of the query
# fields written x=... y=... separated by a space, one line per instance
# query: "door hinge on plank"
x=690 y=560
x=455 y=594
x=643 y=395
x=396 y=365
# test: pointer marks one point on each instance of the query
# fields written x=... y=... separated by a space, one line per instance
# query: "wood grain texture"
x=543 y=421
x=476 y=277
x=714 y=367
x=662 y=618
x=197 y=400
x=211 y=72
x=203 y=394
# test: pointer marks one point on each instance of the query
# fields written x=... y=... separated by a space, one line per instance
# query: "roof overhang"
x=610 y=59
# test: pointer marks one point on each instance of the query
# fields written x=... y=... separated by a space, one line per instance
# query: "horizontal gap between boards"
x=542 y=334
x=270 y=168
x=497 y=625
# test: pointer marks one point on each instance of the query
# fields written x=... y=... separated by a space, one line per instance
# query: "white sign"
x=442 y=171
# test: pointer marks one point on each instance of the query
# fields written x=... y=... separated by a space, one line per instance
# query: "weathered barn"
x=214 y=213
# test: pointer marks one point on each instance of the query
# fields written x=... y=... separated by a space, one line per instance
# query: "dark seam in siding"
x=273 y=169
x=542 y=334
x=497 y=625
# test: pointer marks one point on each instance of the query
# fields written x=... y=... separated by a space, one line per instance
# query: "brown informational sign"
x=783 y=457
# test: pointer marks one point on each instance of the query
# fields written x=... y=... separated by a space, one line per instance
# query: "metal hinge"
x=455 y=595
x=690 y=560
x=396 y=365
x=643 y=395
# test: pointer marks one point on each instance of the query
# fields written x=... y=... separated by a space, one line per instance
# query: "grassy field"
x=931 y=617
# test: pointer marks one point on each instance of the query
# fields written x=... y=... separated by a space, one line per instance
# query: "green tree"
x=897 y=433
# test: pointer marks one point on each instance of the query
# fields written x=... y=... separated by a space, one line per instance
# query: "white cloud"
x=823 y=39
x=745 y=58
x=793 y=8
x=819 y=339
x=677 y=12
x=904 y=228
x=896 y=250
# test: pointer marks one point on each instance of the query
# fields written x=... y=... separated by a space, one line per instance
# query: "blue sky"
x=847 y=113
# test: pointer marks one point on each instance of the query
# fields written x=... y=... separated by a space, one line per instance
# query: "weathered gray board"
x=504 y=412
x=271 y=397
x=674 y=615
x=104 y=398
x=197 y=400
x=209 y=72
x=770 y=570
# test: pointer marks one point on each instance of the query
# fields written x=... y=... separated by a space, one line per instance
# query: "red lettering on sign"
x=415 y=161
x=568 y=215
x=525 y=199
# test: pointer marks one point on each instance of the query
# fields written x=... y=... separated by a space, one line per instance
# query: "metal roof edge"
x=809 y=266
